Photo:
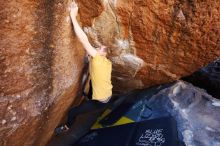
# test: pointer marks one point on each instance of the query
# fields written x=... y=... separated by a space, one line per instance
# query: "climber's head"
x=103 y=50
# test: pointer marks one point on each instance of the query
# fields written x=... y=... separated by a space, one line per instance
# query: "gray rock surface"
x=196 y=113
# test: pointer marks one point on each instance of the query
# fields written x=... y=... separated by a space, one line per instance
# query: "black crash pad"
x=156 y=132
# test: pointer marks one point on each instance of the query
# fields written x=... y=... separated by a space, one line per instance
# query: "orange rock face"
x=41 y=61
x=40 y=70
x=175 y=38
x=155 y=42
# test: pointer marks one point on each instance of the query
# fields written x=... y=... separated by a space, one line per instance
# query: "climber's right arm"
x=79 y=32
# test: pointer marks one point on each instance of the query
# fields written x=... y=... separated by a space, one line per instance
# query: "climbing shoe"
x=61 y=129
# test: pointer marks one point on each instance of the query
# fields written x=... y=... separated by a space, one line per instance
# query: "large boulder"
x=154 y=42
x=195 y=112
x=41 y=60
x=40 y=70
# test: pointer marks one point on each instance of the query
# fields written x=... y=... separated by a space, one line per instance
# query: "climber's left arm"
x=79 y=32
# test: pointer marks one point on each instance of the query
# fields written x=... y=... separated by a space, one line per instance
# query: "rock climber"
x=100 y=69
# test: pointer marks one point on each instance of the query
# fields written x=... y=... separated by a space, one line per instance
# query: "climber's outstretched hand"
x=73 y=9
